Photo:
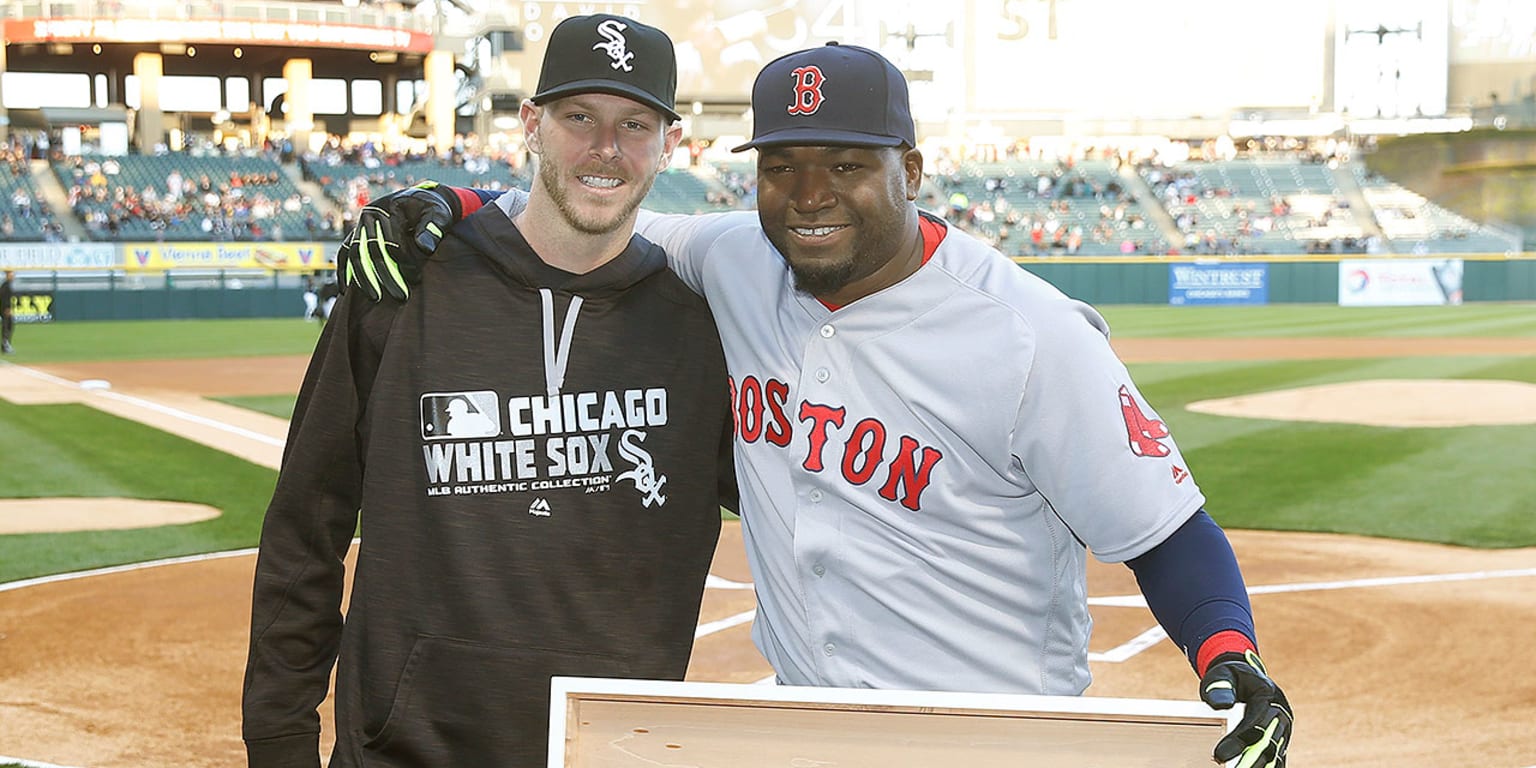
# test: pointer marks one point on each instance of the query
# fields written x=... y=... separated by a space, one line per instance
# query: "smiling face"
x=842 y=217
x=598 y=156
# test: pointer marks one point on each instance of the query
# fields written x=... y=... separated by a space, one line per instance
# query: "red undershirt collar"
x=931 y=228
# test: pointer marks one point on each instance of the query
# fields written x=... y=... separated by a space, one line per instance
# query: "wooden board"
x=602 y=723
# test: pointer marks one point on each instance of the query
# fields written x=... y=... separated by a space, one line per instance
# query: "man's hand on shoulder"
x=394 y=237
x=1260 y=739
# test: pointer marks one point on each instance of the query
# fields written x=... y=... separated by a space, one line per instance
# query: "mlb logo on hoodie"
x=446 y=415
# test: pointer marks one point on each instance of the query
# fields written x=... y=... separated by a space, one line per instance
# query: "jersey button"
x=823 y=374
x=829 y=649
x=819 y=570
x=815 y=494
x=828 y=331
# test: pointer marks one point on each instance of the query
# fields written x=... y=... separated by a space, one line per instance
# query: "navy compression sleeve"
x=1194 y=587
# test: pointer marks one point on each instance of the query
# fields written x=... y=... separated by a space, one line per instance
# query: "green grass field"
x=1288 y=320
x=75 y=450
x=280 y=406
x=161 y=340
x=1469 y=486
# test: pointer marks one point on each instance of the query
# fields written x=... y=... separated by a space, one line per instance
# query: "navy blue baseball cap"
x=835 y=95
x=604 y=53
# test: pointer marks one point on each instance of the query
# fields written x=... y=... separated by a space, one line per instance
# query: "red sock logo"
x=1145 y=433
x=808 y=96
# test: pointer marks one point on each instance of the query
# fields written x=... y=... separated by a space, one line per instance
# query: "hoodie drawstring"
x=555 y=360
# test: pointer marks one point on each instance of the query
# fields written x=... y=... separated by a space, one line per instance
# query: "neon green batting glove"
x=1262 y=735
x=394 y=237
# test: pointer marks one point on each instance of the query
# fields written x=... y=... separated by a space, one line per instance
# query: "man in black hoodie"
x=7 y=322
x=538 y=445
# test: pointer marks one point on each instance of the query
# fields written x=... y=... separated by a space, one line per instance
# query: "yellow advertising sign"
x=32 y=307
x=158 y=257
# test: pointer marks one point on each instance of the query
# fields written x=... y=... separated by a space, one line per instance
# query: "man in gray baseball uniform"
x=930 y=439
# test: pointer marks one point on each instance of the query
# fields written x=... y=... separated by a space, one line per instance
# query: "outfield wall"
x=76 y=294
x=162 y=281
x=1283 y=279
x=263 y=300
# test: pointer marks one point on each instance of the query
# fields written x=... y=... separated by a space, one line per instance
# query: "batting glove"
x=1260 y=738
x=394 y=237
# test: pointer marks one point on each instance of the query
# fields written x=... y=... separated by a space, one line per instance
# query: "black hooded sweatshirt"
x=539 y=458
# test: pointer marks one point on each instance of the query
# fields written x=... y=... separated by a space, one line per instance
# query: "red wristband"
x=469 y=202
x=1227 y=641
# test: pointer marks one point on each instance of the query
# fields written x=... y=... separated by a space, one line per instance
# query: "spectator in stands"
x=22 y=202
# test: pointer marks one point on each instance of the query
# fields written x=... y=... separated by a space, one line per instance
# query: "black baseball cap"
x=603 y=53
x=835 y=95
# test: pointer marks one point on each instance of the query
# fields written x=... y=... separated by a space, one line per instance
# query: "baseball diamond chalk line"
x=28 y=763
x=85 y=394
x=1121 y=653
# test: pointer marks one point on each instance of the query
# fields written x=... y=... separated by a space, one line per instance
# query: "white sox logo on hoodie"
x=477 y=442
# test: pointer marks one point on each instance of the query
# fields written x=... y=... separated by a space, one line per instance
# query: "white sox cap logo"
x=616 y=47
x=603 y=53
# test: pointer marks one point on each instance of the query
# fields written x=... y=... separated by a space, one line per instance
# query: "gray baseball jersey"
x=922 y=469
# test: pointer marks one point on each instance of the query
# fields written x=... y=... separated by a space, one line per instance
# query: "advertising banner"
x=1214 y=283
x=57 y=256
x=32 y=307
x=282 y=256
x=1399 y=282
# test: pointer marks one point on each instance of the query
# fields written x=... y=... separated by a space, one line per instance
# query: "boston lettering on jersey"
x=541 y=443
x=761 y=410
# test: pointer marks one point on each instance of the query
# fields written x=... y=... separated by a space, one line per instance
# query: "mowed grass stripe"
x=1293 y=320
x=74 y=450
x=1258 y=474
x=162 y=340
x=1466 y=485
x=1451 y=486
x=168 y=339
x=280 y=406
x=1175 y=384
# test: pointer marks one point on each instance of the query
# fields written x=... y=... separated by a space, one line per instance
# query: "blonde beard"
x=549 y=177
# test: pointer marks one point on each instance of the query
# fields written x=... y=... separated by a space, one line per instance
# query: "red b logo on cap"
x=808 y=96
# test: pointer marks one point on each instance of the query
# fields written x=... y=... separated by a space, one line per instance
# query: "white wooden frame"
x=608 y=723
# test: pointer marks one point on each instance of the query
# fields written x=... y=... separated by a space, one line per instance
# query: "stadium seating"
x=222 y=198
x=350 y=183
x=1027 y=207
x=22 y=212
x=1033 y=207
x=1268 y=205
x=683 y=191
x=1416 y=225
